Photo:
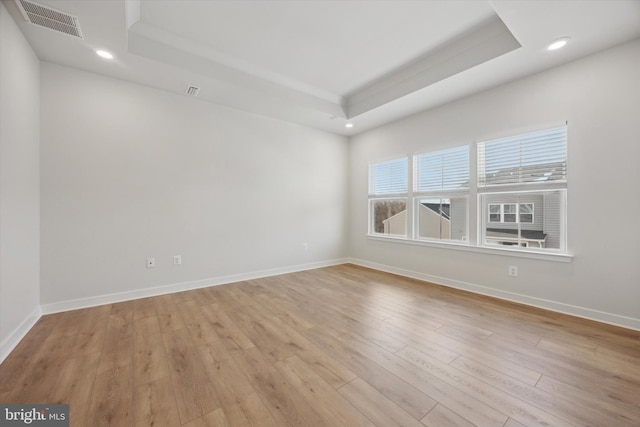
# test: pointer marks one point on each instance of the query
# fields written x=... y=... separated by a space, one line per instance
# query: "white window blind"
x=537 y=157
x=442 y=170
x=388 y=177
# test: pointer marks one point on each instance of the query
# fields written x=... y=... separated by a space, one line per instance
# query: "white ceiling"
x=297 y=40
x=323 y=63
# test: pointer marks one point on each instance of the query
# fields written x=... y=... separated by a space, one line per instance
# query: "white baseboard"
x=10 y=342
x=586 y=313
x=57 y=307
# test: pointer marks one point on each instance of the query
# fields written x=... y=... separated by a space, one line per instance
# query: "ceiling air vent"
x=47 y=17
x=192 y=90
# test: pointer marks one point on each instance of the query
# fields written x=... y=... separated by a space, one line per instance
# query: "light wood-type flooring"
x=338 y=346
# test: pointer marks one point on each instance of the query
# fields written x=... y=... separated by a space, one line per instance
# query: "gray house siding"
x=538 y=210
x=547 y=208
x=552 y=210
x=458 y=215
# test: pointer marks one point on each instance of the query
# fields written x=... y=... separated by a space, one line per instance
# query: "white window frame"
x=532 y=244
x=499 y=213
x=513 y=168
x=532 y=213
x=392 y=192
x=502 y=213
x=451 y=180
x=417 y=202
x=514 y=213
x=477 y=215
x=372 y=225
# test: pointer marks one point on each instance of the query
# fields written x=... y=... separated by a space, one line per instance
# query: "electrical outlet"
x=177 y=260
x=513 y=271
x=305 y=247
x=151 y=263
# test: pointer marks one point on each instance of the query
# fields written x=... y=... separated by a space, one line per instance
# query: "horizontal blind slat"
x=390 y=177
x=533 y=157
x=442 y=170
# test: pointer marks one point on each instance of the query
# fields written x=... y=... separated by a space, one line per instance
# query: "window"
x=442 y=170
x=388 y=186
x=525 y=213
x=441 y=218
x=495 y=213
x=539 y=219
x=522 y=190
x=511 y=212
x=533 y=158
x=441 y=187
x=388 y=177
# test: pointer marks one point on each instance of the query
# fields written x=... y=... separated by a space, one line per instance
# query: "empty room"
x=319 y=213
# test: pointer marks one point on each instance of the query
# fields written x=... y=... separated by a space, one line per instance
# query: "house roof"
x=511 y=233
x=531 y=173
x=443 y=209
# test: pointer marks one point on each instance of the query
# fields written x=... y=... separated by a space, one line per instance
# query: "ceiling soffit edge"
x=480 y=44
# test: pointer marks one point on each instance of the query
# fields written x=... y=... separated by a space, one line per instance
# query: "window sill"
x=518 y=253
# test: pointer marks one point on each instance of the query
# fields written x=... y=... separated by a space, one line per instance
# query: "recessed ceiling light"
x=104 y=54
x=557 y=44
x=349 y=125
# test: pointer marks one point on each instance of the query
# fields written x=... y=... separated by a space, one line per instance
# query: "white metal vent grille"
x=47 y=17
x=192 y=90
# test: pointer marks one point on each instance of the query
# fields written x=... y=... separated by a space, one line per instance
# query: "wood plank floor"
x=338 y=346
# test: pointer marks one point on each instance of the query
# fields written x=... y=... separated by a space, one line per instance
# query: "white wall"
x=19 y=184
x=600 y=98
x=130 y=172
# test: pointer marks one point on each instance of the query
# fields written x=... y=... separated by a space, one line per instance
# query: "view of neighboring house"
x=434 y=222
x=510 y=237
x=527 y=220
x=397 y=224
x=544 y=172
